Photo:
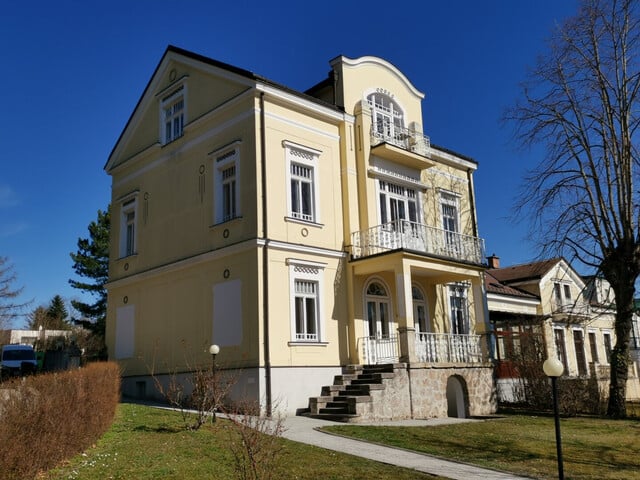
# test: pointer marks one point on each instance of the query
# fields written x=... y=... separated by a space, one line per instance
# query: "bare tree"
x=9 y=307
x=581 y=103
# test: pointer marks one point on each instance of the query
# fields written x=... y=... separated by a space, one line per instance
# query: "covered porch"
x=412 y=309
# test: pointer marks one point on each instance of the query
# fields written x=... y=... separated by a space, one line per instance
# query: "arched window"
x=386 y=115
x=378 y=310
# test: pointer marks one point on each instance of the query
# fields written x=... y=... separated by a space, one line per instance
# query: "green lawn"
x=148 y=443
x=593 y=448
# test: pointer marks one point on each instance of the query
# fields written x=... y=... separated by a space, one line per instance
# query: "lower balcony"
x=429 y=348
x=406 y=235
x=448 y=348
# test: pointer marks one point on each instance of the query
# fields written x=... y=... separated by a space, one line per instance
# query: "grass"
x=148 y=443
x=593 y=448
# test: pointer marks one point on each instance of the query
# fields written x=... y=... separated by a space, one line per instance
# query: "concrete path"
x=304 y=430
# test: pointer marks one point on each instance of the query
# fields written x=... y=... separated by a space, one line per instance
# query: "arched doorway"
x=457 y=401
x=379 y=322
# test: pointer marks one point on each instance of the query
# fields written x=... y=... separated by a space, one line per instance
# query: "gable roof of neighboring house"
x=493 y=285
x=525 y=272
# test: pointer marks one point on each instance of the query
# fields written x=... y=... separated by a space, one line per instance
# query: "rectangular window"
x=305 y=286
x=593 y=346
x=567 y=293
x=561 y=350
x=557 y=293
x=302 y=165
x=607 y=345
x=578 y=344
x=450 y=223
x=173 y=110
x=459 y=309
x=128 y=222
x=306 y=312
x=226 y=185
x=301 y=192
x=397 y=205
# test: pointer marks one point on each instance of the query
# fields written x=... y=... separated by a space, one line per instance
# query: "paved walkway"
x=304 y=430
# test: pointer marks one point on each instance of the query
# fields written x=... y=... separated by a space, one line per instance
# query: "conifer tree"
x=91 y=262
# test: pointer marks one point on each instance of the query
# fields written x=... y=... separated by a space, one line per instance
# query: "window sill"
x=303 y=222
x=217 y=224
x=126 y=257
x=299 y=343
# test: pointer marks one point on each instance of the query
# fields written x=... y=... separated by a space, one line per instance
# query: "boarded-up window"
x=125 y=332
x=227 y=313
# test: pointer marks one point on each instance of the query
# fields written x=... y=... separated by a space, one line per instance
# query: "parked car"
x=17 y=360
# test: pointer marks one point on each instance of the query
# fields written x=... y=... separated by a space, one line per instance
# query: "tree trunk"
x=621 y=276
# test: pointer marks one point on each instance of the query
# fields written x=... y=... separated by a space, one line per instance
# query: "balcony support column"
x=404 y=316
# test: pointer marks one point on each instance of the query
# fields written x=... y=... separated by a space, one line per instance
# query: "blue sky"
x=72 y=72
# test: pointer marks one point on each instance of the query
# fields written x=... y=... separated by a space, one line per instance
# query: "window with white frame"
x=305 y=288
x=450 y=219
x=302 y=165
x=607 y=345
x=128 y=226
x=397 y=205
x=578 y=345
x=172 y=110
x=562 y=293
x=593 y=346
x=386 y=116
x=561 y=348
x=226 y=188
x=459 y=308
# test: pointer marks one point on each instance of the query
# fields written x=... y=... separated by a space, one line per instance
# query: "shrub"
x=48 y=418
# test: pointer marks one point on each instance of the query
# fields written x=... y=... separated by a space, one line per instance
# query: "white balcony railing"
x=408 y=235
x=405 y=138
x=577 y=308
x=379 y=349
x=448 y=348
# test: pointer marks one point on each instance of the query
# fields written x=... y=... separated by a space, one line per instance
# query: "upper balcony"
x=401 y=145
x=406 y=235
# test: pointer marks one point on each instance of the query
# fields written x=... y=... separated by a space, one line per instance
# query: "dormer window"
x=172 y=110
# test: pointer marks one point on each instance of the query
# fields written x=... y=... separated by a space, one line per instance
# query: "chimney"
x=493 y=261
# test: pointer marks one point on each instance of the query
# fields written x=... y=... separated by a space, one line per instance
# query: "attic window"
x=172 y=112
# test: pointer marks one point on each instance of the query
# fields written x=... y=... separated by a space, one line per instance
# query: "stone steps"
x=349 y=391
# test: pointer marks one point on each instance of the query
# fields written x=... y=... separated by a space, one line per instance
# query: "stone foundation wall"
x=421 y=392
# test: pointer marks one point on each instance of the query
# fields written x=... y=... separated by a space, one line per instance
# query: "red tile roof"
x=525 y=271
x=493 y=285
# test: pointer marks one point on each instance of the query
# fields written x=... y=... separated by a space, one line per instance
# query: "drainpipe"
x=265 y=260
x=472 y=201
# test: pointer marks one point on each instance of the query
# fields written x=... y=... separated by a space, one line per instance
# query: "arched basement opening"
x=456 y=397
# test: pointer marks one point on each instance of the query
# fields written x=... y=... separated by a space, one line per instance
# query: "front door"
x=378 y=317
x=380 y=343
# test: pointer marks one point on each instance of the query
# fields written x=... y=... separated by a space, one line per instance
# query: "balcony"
x=576 y=309
x=430 y=348
x=401 y=145
x=448 y=348
x=406 y=235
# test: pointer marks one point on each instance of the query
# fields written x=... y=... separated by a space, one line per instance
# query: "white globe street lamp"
x=553 y=368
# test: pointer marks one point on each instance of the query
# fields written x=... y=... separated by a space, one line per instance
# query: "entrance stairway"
x=351 y=394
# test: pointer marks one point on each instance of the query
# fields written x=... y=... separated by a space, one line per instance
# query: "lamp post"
x=213 y=350
x=553 y=368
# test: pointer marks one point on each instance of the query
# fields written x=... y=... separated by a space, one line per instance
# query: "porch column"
x=481 y=314
x=404 y=318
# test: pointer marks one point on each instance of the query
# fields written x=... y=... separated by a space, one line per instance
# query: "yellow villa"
x=317 y=237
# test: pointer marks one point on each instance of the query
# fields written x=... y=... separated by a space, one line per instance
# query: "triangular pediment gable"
x=564 y=272
x=208 y=80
